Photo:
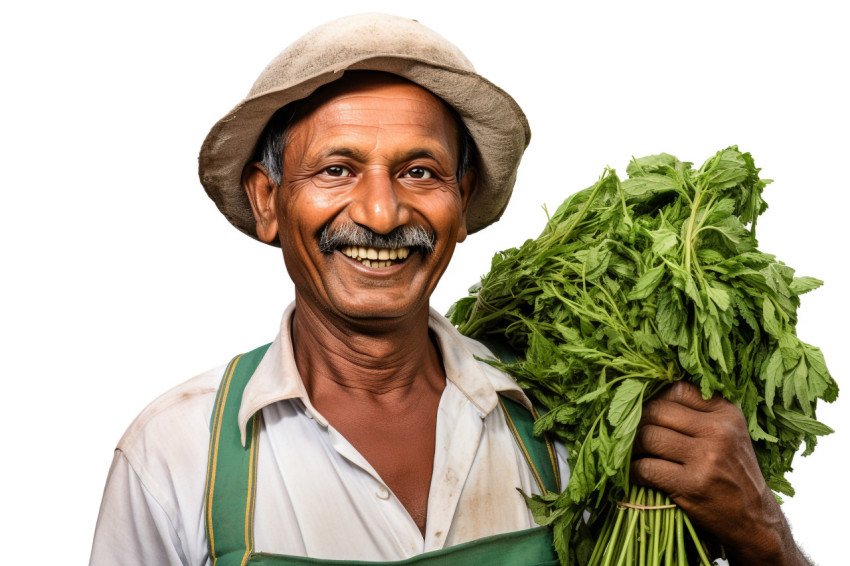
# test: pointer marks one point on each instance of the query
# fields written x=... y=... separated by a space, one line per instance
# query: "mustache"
x=352 y=234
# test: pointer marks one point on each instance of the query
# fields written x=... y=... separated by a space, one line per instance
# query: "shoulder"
x=189 y=403
x=170 y=437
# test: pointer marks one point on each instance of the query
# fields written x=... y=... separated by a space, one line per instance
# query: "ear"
x=262 y=193
x=467 y=186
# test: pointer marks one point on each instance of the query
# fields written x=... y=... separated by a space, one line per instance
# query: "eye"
x=337 y=171
x=418 y=173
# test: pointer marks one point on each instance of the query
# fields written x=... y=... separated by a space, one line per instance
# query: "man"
x=369 y=429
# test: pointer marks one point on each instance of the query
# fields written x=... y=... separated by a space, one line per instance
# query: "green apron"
x=232 y=484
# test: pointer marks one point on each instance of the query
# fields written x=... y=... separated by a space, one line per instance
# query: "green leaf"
x=780 y=484
x=771 y=374
x=663 y=240
x=647 y=186
x=768 y=318
x=671 y=318
x=800 y=285
x=596 y=262
x=627 y=395
x=624 y=434
x=756 y=432
x=801 y=387
x=582 y=474
x=651 y=164
x=718 y=296
x=647 y=283
x=821 y=383
x=802 y=423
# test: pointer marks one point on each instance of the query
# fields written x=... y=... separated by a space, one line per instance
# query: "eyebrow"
x=357 y=155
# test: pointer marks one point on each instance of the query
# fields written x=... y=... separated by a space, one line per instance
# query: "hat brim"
x=495 y=121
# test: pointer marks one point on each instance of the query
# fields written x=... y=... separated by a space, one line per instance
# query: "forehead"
x=381 y=100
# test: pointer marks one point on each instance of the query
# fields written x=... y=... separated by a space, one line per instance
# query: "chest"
x=318 y=495
x=403 y=457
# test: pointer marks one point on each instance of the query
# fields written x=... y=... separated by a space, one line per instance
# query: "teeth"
x=373 y=257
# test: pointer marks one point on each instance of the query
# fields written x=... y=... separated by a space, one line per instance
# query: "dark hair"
x=275 y=136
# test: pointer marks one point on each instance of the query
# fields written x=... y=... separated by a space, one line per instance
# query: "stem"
x=702 y=557
x=627 y=552
x=656 y=529
x=680 y=538
x=609 y=556
x=689 y=233
x=668 y=536
x=603 y=540
x=643 y=533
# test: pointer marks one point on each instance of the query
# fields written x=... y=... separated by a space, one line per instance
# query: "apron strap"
x=539 y=451
x=232 y=468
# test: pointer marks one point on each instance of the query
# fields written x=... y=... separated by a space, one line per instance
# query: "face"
x=378 y=154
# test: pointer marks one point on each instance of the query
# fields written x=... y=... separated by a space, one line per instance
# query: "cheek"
x=305 y=210
x=444 y=209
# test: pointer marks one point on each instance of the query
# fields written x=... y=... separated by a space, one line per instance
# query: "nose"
x=378 y=202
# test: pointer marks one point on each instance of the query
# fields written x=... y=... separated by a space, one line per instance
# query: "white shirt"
x=316 y=495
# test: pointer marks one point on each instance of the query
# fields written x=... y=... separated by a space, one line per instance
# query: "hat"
x=372 y=42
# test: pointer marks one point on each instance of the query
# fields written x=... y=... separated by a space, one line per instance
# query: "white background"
x=120 y=279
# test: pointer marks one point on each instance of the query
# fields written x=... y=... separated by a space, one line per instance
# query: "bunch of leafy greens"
x=633 y=285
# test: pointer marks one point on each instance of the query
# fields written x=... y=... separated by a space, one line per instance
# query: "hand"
x=699 y=452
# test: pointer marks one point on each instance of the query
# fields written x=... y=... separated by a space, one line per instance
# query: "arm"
x=699 y=452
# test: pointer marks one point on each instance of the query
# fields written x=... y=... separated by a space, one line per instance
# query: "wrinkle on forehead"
x=377 y=107
x=361 y=84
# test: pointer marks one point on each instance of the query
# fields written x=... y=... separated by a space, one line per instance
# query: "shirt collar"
x=276 y=377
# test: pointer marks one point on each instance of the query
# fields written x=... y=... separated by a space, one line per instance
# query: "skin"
x=380 y=152
x=700 y=453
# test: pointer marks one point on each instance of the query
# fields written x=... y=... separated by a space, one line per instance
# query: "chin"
x=380 y=308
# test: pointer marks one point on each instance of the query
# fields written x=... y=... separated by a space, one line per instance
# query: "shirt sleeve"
x=132 y=527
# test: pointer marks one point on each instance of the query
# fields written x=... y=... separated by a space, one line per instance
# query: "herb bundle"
x=633 y=285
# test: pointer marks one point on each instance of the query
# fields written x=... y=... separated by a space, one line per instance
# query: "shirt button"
x=383 y=493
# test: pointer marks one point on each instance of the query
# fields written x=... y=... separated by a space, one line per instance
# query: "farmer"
x=369 y=429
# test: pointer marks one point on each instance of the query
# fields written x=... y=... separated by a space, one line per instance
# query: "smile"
x=376 y=257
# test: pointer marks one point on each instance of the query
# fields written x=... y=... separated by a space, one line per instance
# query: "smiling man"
x=369 y=429
x=368 y=211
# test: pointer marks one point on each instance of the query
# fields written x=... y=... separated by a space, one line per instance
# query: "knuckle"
x=711 y=460
x=679 y=391
x=645 y=469
x=650 y=438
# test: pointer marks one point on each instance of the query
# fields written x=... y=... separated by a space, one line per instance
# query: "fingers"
x=659 y=474
x=663 y=458
x=682 y=408
x=673 y=416
x=688 y=395
x=661 y=442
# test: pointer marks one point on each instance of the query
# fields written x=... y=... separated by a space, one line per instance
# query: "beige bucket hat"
x=373 y=42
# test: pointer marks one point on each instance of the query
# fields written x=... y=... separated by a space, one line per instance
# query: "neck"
x=371 y=358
